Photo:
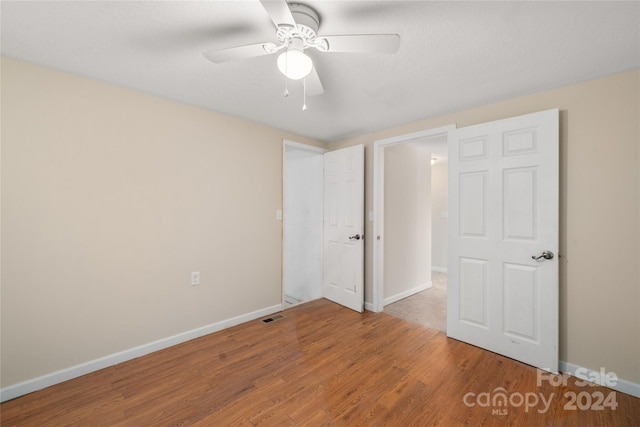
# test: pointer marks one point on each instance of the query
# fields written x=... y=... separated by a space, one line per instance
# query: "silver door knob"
x=354 y=237
x=545 y=255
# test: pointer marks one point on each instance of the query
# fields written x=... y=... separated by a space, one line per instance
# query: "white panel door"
x=344 y=227
x=503 y=213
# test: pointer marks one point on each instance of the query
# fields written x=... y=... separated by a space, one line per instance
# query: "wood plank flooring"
x=322 y=365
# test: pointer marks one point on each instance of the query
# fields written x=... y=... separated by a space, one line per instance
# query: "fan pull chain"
x=304 y=94
x=286 y=79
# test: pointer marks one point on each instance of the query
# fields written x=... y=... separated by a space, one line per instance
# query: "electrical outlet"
x=195 y=278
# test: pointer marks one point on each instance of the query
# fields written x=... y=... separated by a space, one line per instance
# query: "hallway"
x=427 y=308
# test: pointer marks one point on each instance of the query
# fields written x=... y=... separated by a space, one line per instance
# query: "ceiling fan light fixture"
x=294 y=63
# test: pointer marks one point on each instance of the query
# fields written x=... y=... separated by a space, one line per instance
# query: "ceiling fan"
x=296 y=30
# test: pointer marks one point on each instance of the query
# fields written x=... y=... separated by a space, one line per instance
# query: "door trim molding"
x=306 y=147
x=378 y=203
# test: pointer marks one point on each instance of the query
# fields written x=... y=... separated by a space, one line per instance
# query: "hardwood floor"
x=320 y=365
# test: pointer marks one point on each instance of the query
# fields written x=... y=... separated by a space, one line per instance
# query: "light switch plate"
x=195 y=278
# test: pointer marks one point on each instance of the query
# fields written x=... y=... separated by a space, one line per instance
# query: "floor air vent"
x=273 y=318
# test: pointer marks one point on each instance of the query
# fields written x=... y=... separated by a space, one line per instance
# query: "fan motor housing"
x=307 y=21
x=305 y=15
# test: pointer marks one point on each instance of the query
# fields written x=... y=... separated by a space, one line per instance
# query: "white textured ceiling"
x=453 y=55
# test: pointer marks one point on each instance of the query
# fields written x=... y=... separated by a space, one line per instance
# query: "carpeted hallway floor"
x=428 y=308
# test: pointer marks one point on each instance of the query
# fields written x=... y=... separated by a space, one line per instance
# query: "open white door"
x=503 y=213
x=344 y=227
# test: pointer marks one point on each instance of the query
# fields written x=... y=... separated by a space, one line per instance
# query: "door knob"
x=354 y=237
x=545 y=255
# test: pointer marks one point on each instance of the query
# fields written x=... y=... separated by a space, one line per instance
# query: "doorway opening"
x=302 y=194
x=426 y=306
x=323 y=230
x=410 y=251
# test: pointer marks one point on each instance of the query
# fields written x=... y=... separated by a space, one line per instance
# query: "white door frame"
x=378 y=203
x=287 y=144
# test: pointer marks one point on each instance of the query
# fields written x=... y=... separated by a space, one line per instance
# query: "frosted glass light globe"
x=294 y=64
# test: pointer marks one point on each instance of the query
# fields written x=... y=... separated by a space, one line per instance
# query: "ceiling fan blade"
x=363 y=43
x=313 y=83
x=239 y=52
x=279 y=12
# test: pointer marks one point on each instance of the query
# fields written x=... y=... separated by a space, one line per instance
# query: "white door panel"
x=344 y=227
x=503 y=204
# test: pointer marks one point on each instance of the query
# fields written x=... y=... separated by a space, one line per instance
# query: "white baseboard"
x=621 y=385
x=439 y=269
x=369 y=306
x=407 y=293
x=44 y=381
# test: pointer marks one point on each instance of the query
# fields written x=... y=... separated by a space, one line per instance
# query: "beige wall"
x=110 y=199
x=407 y=219
x=600 y=217
x=439 y=204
